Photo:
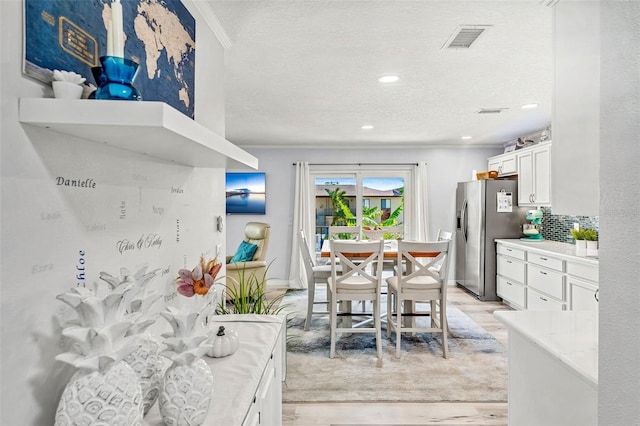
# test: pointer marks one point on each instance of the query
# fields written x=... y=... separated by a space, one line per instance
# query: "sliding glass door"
x=371 y=197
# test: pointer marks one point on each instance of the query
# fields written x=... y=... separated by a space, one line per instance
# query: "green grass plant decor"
x=249 y=297
x=577 y=234
x=585 y=234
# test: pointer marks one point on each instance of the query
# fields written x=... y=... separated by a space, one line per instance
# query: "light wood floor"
x=440 y=413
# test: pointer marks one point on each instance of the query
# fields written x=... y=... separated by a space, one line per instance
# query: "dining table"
x=390 y=251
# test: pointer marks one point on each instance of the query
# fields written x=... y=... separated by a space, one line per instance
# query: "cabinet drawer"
x=510 y=251
x=541 y=302
x=511 y=268
x=546 y=261
x=583 y=271
x=511 y=291
x=545 y=280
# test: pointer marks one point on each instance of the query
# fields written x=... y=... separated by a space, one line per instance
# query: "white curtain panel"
x=420 y=203
x=303 y=213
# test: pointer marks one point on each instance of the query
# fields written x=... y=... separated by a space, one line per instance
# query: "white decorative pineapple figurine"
x=105 y=389
x=188 y=382
x=145 y=360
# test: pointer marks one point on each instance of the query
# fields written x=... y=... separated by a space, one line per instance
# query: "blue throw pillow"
x=245 y=252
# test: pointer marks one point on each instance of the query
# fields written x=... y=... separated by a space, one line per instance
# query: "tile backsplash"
x=558 y=227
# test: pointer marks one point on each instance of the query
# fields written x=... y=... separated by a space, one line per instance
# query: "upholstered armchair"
x=250 y=257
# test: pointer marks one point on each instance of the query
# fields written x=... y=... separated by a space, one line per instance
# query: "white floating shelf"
x=150 y=128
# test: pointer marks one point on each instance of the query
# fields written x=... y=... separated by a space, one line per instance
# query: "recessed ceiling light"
x=529 y=106
x=467 y=137
x=388 y=79
x=367 y=127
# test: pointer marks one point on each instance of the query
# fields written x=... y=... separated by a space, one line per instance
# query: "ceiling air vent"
x=491 y=110
x=464 y=36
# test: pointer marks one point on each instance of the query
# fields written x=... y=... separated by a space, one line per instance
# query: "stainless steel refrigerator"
x=482 y=216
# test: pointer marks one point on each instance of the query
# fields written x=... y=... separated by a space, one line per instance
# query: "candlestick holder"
x=115 y=81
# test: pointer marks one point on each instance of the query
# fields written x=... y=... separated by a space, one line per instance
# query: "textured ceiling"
x=304 y=73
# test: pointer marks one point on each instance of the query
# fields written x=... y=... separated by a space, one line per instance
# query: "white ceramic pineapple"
x=188 y=383
x=105 y=389
x=146 y=360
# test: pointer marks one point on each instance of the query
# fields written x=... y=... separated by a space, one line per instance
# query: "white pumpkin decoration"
x=223 y=343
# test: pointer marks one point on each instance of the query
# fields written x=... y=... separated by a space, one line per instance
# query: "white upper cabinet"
x=534 y=176
x=504 y=164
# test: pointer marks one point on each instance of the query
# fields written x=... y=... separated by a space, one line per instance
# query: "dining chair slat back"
x=356 y=281
x=420 y=282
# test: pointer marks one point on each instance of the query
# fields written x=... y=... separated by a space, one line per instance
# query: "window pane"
x=335 y=203
x=386 y=195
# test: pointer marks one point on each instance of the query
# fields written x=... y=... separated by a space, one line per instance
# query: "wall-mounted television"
x=245 y=192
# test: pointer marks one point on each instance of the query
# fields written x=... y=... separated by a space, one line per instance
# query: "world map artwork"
x=71 y=35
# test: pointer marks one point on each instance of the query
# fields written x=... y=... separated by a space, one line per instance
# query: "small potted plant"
x=581 y=241
x=591 y=238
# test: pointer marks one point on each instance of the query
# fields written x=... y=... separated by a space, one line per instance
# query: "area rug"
x=476 y=370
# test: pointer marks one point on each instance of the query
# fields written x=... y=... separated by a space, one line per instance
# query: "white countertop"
x=236 y=377
x=570 y=336
x=563 y=250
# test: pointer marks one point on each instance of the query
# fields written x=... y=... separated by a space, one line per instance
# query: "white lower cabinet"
x=266 y=409
x=584 y=296
x=546 y=281
x=263 y=408
x=512 y=291
x=544 y=276
x=511 y=275
x=248 y=384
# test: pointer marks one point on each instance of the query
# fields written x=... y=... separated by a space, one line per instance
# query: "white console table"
x=553 y=367
x=247 y=386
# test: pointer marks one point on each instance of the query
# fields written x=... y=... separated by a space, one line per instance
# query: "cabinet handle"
x=595 y=295
x=508 y=282
x=543 y=299
x=543 y=258
x=254 y=399
x=509 y=250
x=508 y=261
x=543 y=273
x=271 y=356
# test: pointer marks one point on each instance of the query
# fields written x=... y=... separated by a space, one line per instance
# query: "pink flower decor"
x=200 y=279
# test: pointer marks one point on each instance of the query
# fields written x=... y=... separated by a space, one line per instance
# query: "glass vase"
x=116 y=79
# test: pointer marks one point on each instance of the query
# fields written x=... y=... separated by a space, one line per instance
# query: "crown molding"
x=212 y=21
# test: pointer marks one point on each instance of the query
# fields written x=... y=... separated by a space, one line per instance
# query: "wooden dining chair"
x=419 y=283
x=355 y=282
x=315 y=274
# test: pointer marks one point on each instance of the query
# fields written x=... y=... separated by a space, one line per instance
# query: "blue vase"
x=116 y=79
